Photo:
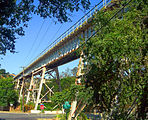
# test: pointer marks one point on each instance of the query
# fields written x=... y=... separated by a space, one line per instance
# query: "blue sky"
x=38 y=35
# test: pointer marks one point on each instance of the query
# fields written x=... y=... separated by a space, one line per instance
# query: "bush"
x=7 y=92
x=29 y=106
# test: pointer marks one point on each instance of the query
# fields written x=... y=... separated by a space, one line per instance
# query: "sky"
x=38 y=35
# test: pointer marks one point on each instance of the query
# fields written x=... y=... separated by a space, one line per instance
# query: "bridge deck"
x=63 y=49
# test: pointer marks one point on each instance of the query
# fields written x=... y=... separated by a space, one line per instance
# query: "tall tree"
x=8 y=94
x=117 y=61
x=14 y=15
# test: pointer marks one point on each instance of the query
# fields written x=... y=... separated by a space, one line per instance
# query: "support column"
x=79 y=72
x=73 y=107
x=58 y=79
x=18 y=82
x=77 y=82
x=21 y=91
x=31 y=84
x=40 y=88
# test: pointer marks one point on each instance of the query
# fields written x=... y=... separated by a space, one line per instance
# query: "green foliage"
x=3 y=73
x=62 y=116
x=58 y=98
x=70 y=94
x=49 y=106
x=65 y=83
x=65 y=95
x=21 y=103
x=82 y=116
x=7 y=93
x=117 y=58
x=14 y=15
x=28 y=106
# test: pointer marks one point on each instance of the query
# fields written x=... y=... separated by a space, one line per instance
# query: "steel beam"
x=58 y=79
x=30 y=87
x=40 y=88
x=20 y=94
x=18 y=83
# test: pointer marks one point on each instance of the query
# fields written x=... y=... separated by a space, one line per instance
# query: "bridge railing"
x=71 y=30
x=76 y=26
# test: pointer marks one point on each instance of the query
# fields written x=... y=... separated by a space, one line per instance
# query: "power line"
x=53 y=41
x=42 y=38
x=62 y=34
x=48 y=45
x=56 y=32
x=29 y=52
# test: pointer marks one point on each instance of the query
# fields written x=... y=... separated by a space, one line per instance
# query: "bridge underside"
x=63 y=60
x=73 y=55
x=31 y=85
x=34 y=78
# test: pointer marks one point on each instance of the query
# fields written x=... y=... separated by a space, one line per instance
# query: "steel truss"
x=36 y=88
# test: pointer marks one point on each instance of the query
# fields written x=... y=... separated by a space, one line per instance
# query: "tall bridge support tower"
x=77 y=82
x=38 y=89
x=38 y=100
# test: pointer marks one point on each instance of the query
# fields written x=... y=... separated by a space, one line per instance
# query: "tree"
x=69 y=93
x=117 y=61
x=3 y=73
x=65 y=83
x=14 y=16
x=66 y=73
x=8 y=95
x=74 y=71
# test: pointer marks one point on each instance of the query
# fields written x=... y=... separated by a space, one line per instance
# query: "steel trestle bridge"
x=61 y=51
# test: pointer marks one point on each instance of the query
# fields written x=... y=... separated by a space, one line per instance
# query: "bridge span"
x=61 y=51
